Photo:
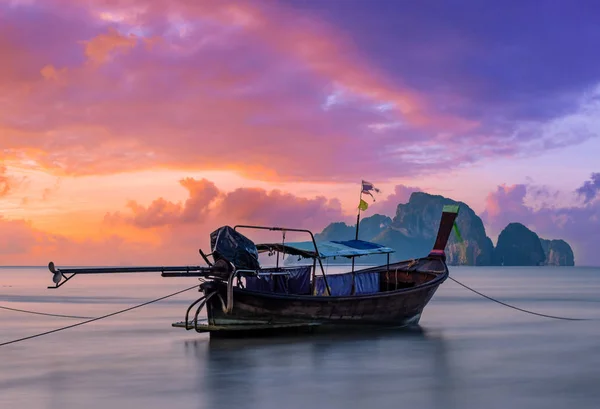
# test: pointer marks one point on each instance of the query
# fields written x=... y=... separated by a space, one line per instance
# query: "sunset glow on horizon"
x=129 y=130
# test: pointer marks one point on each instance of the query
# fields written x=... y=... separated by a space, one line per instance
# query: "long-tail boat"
x=241 y=296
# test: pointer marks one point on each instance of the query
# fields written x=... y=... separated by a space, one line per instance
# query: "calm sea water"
x=468 y=353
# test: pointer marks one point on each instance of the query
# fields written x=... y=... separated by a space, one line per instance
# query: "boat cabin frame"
x=350 y=249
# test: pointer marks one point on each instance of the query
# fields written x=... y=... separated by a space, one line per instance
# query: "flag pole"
x=358 y=215
x=356 y=236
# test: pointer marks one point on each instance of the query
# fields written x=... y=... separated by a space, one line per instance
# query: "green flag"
x=458 y=236
x=363 y=205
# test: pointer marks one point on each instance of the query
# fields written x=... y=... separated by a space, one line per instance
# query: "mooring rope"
x=44 y=313
x=517 y=308
x=97 y=318
x=89 y=320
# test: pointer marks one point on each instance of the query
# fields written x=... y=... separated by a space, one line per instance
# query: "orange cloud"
x=22 y=244
x=51 y=73
x=162 y=212
x=100 y=48
x=4 y=182
x=18 y=237
x=206 y=203
x=164 y=232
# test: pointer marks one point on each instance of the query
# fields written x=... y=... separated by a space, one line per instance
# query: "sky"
x=130 y=129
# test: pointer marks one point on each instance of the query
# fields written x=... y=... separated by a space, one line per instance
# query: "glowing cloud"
x=243 y=205
x=108 y=87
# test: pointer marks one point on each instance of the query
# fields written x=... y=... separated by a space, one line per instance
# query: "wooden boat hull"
x=253 y=309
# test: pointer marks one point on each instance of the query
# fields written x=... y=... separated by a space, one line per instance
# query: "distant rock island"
x=518 y=246
x=411 y=232
x=558 y=253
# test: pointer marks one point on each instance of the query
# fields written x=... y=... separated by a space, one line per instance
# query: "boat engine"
x=232 y=247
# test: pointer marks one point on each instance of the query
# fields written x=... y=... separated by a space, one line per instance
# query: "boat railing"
x=350 y=249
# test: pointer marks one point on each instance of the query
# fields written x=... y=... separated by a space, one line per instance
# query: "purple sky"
x=496 y=104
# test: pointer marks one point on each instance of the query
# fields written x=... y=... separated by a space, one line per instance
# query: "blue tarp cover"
x=297 y=282
x=360 y=244
x=367 y=283
x=341 y=284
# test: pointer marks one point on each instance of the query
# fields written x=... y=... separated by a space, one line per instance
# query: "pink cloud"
x=232 y=87
x=265 y=90
x=201 y=194
x=276 y=208
x=162 y=212
x=506 y=203
x=242 y=206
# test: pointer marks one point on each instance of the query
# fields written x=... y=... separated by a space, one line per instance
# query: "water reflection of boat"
x=241 y=296
x=350 y=370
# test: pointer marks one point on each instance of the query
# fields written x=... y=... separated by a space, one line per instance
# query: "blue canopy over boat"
x=349 y=248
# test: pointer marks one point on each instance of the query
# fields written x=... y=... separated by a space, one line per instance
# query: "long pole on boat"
x=365 y=187
x=357 y=224
x=358 y=214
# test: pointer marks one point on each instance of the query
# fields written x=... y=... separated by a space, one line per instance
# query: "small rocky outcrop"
x=518 y=246
x=558 y=253
x=369 y=227
x=336 y=231
x=372 y=226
